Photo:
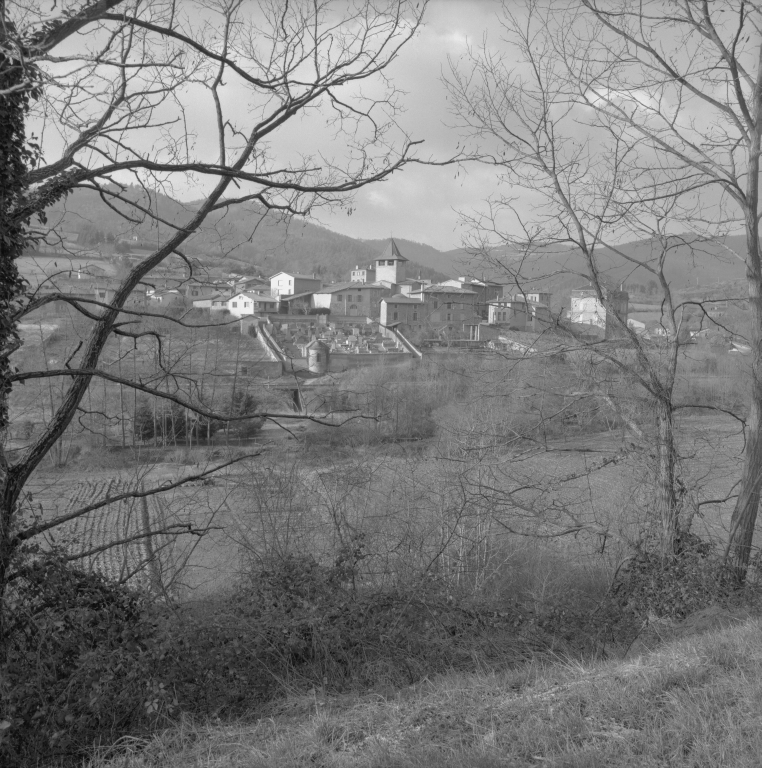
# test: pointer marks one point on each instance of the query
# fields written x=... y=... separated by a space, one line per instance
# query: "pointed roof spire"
x=392 y=252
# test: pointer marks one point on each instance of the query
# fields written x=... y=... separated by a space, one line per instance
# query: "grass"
x=695 y=702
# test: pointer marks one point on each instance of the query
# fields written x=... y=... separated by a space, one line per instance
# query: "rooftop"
x=302 y=295
x=391 y=252
x=294 y=275
x=346 y=286
x=448 y=289
x=400 y=299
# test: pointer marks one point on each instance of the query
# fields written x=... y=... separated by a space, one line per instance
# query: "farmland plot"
x=153 y=542
x=428 y=514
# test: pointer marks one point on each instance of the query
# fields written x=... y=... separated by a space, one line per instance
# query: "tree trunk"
x=666 y=502
x=743 y=521
x=13 y=107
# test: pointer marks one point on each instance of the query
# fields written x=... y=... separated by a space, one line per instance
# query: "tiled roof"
x=257 y=296
x=392 y=252
x=448 y=289
x=209 y=297
x=346 y=286
x=400 y=299
x=303 y=295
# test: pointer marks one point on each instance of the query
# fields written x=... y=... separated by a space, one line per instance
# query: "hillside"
x=690 y=264
x=244 y=240
x=692 y=702
x=241 y=239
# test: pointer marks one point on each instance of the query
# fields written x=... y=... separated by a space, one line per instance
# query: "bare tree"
x=113 y=92
x=686 y=80
x=587 y=197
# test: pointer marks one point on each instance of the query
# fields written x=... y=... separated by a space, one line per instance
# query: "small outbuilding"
x=317 y=357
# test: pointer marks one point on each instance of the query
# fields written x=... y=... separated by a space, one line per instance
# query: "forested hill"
x=690 y=263
x=240 y=239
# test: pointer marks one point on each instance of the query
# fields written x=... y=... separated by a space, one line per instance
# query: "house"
x=390 y=266
x=219 y=303
x=352 y=299
x=251 y=304
x=242 y=283
x=196 y=288
x=402 y=310
x=287 y=284
x=205 y=302
x=164 y=280
x=363 y=275
x=137 y=300
x=520 y=313
x=408 y=286
x=298 y=304
x=447 y=305
x=168 y=298
x=587 y=309
x=485 y=290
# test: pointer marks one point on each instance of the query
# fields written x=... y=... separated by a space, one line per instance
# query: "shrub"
x=75 y=667
x=677 y=586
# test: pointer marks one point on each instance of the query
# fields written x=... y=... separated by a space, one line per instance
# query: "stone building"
x=520 y=313
x=351 y=299
x=588 y=309
x=390 y=266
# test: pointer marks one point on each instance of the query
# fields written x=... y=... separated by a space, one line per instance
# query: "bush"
x=75 y=667
x=677 y=586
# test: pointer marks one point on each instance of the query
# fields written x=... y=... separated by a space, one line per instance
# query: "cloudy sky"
x=421 y=203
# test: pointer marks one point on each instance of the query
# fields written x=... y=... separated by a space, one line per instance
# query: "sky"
x=421 y=203
x=424 y=203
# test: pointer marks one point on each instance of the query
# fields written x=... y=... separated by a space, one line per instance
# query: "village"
x=379 y=310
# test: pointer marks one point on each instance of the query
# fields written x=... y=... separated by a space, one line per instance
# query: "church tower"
x=390 y=266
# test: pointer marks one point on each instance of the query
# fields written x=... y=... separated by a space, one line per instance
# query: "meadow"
x=487 y=514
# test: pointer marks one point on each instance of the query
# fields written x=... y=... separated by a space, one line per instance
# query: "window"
x=390 y=262
x=246 y=303
x=195 y=293
x=415 y=315
x=436 y=304
x=449 y=305
x=396 y=315
x=340 y=297
x=244 y=370
x=449 y=316
x=235 y=305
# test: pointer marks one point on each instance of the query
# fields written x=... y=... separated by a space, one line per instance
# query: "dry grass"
x=693 y=703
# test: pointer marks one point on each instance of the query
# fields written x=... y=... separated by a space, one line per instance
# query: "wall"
x=343 y=361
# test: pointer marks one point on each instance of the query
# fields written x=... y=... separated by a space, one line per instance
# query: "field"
x=36 y=268
x=282 y=501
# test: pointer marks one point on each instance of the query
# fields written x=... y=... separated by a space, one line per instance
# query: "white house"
x=251 y=304
x=287 y=284
x=207 y=302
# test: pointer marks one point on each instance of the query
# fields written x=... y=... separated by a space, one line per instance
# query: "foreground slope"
x=694 y=702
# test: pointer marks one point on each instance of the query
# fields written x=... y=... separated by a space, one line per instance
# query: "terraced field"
x=404 y=507
x=146 y=541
